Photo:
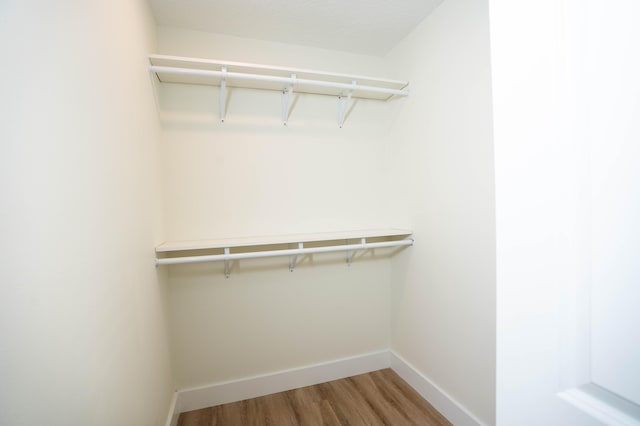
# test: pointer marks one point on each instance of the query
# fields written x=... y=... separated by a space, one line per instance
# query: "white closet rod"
x=286 y=252
x=274 y=79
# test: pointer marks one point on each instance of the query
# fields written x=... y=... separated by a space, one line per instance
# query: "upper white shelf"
x=173 y=246
x=175 y=69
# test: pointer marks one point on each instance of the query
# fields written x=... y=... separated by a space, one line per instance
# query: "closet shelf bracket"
x=227 y=262
x=343 y=105
x=352 y=253
x=223 y=94
x=294 y=257
x=287 y=100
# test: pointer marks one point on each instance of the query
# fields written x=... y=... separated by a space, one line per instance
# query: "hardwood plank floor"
x=377 y=398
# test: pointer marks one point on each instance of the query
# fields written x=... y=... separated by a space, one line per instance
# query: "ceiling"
x=370 y=27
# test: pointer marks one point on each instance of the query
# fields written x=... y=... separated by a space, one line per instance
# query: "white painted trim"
x=172 y=417
x=601 y=409
x=252 y=387
x=441 y=401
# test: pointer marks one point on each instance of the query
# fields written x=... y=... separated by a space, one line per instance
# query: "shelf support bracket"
x=287 y=97
x=343 y=105
x=223 y=94
x=227 y=263
x=293 y=258
x=352 y=253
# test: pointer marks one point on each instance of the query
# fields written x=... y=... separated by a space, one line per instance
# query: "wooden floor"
x=378 y=398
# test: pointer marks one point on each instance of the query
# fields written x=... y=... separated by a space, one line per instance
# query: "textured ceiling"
x=369 y=27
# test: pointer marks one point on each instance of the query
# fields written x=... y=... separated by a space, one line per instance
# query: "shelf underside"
x=176 y=246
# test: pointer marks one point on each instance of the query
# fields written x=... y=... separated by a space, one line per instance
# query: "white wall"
x=82 y=315
x=176 y=41
x=309 y=176
x=253 y=176
x=443 y=312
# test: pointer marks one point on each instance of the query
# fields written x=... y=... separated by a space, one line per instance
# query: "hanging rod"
x=285 y=252
x=276 y=79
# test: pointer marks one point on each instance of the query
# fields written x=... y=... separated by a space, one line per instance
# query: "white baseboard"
x=172 y=418
x=253 y=387
x=441 y=401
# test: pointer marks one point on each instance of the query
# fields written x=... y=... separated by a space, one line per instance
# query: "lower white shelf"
x=179 y=252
